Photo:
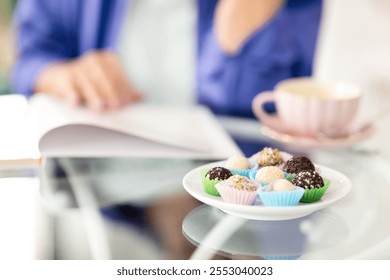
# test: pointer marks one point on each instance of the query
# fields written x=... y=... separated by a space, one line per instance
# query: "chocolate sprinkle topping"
x=308 y=179
x=297 y=164
x=218 y=173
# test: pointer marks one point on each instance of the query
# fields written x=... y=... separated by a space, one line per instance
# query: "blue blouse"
x=49 y=31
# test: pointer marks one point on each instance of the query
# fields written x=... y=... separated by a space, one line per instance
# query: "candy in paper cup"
x=314 y=195
x=209 y=185
x=253 y=172
x=280 y=198
x=233 y=195
x=242 y=172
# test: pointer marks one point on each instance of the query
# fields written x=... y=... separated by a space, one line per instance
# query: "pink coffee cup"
x=306 y=107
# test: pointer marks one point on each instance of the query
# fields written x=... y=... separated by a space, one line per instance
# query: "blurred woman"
x=107 y=54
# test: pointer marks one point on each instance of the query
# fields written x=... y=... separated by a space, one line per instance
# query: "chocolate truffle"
x=218 y=173
x=282 y=185
x=269 y=174
x=269 y=157
x=308 y=179
x=237 y=162
x=297 y=164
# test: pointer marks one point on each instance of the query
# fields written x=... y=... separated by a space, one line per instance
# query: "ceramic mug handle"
x=273 y=122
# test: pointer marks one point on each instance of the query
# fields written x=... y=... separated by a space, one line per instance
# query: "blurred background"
x=30 y=232
x=6 y=49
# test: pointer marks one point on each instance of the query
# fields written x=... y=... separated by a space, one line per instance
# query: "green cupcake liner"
x=209 y=185
x=314 y=195
x=289 y=177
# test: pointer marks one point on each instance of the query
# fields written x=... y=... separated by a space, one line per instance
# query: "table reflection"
x=118 y=208
x=215 y=232
x=356 y=227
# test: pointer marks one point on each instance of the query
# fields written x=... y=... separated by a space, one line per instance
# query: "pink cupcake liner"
x=236 y=196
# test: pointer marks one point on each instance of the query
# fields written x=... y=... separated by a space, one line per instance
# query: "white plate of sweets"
x=339 y=187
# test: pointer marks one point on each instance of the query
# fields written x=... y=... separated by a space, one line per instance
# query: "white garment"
x=354 y=46
x=354 y=43
x=157 y=48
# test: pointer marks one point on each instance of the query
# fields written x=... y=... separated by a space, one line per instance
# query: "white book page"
x=15 y=147
x=137 y=130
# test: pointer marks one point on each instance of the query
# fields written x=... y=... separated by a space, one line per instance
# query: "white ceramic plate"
x=340 y=186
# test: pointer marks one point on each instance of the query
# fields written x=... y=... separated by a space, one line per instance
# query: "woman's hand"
x=95 y=79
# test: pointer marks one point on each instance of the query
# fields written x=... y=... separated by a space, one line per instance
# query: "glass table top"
x=136 y=208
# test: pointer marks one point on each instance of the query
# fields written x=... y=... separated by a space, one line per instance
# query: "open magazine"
x=55 y=129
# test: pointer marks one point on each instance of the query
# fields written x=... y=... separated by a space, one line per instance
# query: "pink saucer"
x=295 y=141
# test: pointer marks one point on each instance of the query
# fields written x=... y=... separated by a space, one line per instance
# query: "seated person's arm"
x=240 y=56
x=49 y=60
x=236 y=20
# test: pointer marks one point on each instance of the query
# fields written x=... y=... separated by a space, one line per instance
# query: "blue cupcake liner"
x=243 y=172
x=283 y=198
x=252 y=174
